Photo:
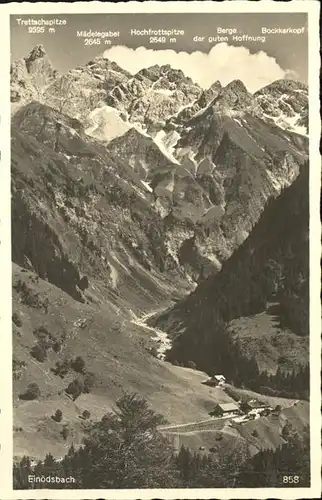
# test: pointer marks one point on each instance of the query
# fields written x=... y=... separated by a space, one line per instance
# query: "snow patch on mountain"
x=105 y=124
x=166 y=150
x=290 y=123
x=147 y=186
x=161 y=209
x=166 y=92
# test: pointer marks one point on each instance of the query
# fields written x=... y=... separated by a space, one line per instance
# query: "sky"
x=256 y=63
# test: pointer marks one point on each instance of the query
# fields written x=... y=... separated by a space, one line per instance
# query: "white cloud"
x=224 y=63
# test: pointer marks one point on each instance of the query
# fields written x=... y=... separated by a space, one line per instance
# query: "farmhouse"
x=254 y=404
x=223 y=409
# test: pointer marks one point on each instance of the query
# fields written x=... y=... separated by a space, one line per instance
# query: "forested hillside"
x=271 y=265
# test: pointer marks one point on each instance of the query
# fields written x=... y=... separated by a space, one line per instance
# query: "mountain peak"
x=37 y=61
x=284 y=85
x=216 y=85
x=233 y=96
x=35 y=53
x=237 y=86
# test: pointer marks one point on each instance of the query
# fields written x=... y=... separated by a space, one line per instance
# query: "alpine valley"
x=159 y=237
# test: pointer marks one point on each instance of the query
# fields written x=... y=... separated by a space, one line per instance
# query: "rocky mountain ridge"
x=179 y=140
x=90 y=212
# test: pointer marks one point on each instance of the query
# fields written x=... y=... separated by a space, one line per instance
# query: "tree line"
x=125 y=450
x=272 y=265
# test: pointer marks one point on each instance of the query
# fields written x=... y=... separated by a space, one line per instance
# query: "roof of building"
x=219 y=377
x=228 y=406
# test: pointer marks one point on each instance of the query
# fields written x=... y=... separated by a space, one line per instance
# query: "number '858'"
x=291 y=479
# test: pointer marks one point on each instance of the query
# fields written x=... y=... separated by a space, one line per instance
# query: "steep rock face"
x=285 y=103
x=272 y=264
x=83 y=89
x=30 y=76
x=88 y=212
x=208 y=159
x=141 y=152
x=195 y=107
x=238 y=161
x=153 y=95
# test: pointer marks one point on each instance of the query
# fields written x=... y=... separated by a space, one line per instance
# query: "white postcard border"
x=6 y=439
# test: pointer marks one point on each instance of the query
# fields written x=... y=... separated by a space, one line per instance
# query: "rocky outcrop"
x=238 y=161
x=141 y=153
x=83 y=89
x=36 y=246
x=30 y=76
x=285 y=103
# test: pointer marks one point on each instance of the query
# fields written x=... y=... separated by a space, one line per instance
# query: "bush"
x=286 y=431
x=192 y=365
x=17 y=368
x=39 y=352
x=58 y=416
x=78 y=364
x=45 y=337
x=61 y=369
x=57 y=346
x=41 y=330
x=255 y=433
x=65 y=432
x=86 y=414
x=153 y=351
x=27 y=296
x=243 y=406
x=32 y=392
x=89 y=381
x=16 y=320
x=75 y=389
x=216 y=412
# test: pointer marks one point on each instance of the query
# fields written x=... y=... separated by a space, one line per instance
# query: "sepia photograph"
x=160 y=246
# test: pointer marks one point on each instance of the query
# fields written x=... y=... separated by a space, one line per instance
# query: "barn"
x=223 y=409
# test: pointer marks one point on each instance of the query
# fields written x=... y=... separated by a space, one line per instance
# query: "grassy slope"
x=114 y=349
x=262 y=333
x=219 y=434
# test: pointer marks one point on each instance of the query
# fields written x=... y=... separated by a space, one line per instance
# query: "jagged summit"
x=103 y=63
x=285 y=103
x=30 y=76
x=216 y=85
x=284 y=84
x=237 y=86
x=234 y=96
x=36 y=52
